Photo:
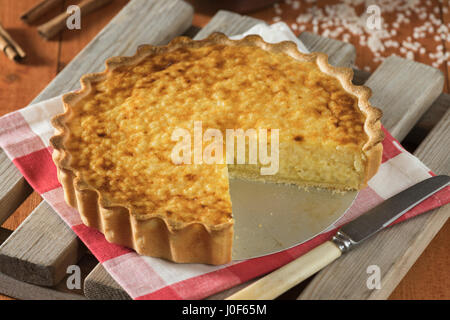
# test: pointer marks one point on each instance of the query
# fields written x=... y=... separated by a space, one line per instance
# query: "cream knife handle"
x=286 y=277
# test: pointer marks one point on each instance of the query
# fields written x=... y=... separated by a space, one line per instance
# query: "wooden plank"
x=99 y=284
x=340 y=53
x=428 y=120
x=13 y=188
x=22 y=290
x=393 y=250
x=434 y=114
x=433 y=151
x=139 y=22
x=404 y=90
x=43 y=258
x=26 y=291
x=228 y=23
x=34 y=253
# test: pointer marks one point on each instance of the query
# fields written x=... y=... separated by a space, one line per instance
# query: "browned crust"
x=157 y=236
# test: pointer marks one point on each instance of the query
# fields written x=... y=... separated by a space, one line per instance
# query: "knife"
x=345 y=239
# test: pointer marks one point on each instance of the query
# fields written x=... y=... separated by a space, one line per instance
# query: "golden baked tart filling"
x=114 y=143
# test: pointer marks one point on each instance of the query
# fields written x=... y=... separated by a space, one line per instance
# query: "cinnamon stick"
x=11 y=49
x=49 y=29
x=39 y=10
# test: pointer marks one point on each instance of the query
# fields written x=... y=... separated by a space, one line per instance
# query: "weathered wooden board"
x=99 y=284
x=427 y=122
x=13 y=188
x=139 y=22
x=228 y=23
x=34 y=253
x=26 y=291
x=393 y=250
x=404 y=90
x=22 y=290
x=39 y=259
x=433 y=115
x=340 y=53
x=434 y=150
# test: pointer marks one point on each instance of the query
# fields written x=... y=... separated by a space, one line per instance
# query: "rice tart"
x=112 y=144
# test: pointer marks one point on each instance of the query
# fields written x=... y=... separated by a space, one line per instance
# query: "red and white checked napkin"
x=24 y=135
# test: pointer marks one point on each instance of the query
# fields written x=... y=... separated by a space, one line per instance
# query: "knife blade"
x=387 y=212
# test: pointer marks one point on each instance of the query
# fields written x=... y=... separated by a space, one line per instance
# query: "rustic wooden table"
x=429 y=278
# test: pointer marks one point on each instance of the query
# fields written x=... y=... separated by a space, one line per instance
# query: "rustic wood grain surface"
x=429 y=278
